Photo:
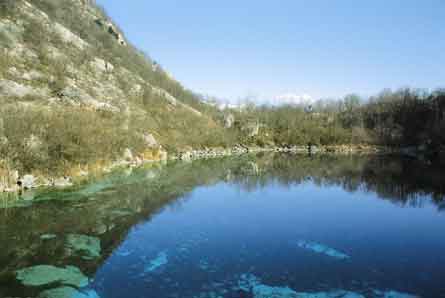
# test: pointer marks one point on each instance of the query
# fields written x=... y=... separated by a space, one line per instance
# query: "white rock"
x=128 y=155
x=13 y=89
x=63 y=182
x=229 y=119
x=32 y=75
x=28 y=181
x=150 y=140
x=101 y=65
x=68 y=36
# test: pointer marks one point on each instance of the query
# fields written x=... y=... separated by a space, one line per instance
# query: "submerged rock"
x=251 y=283
x=264 y=291
x=330 y=294
x=157 y=262
x=48 y=236
x=87 y=247
x=46 y=274
x=68 y=292
x=393 y=294
x=322 y=249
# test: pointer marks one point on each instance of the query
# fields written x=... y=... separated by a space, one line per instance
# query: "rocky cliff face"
x=89 y=78
x=71 y=83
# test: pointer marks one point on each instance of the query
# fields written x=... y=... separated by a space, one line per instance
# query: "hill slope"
x=74 y=91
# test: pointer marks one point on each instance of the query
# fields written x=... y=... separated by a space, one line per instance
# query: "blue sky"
x=324 y=48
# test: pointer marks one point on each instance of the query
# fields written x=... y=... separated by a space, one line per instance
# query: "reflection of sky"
x=222 y=231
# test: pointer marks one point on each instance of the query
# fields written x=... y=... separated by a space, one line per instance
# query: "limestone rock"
x=128 y=155
x=100 y=65
x=32 y=75
x=63 y=182
x=28 y=181
x=252 y=129
x=14 y=89
x=150 y=140
x=229 y=119
x=68 y=36
x=33 y=143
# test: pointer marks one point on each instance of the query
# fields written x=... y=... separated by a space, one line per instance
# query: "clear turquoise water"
x=286 y=227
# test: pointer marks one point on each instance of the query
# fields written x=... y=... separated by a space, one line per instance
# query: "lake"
x=265 y=225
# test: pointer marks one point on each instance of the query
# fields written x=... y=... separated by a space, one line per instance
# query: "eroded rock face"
x=112 y=30
x=100 y=65
x=14 y=89
x=68 y=36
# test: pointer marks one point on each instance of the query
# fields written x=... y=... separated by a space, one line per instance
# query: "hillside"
x=76 y=95
x=74 y=91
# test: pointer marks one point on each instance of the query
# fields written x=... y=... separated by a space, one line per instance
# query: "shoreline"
x=29 y=181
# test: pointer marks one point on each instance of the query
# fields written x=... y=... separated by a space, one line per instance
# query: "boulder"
x=28 y=181
x=186 y=156
x=128 y=155
x=74 y=94
x=150 y=140
x=63 y=182
x=163 y=155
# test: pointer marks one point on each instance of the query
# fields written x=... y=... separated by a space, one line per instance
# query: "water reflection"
x=85 y=226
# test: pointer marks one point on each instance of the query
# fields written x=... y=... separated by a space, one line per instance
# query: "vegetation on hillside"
x=38 y=135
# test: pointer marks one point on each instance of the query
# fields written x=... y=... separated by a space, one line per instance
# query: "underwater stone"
x=87 y=247
x=157 y=262
x=393 y=294
x=68 y=292
x=204 y=265
x=247 y=281
x=48 y=236
x=47 y=274
x=322 y=249
x=263 y=291
x=331 y=294
x=251 y=283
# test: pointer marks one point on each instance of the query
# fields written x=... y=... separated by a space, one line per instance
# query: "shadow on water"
x=37 y=228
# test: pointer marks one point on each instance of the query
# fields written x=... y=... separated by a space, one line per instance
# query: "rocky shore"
x=12 y=181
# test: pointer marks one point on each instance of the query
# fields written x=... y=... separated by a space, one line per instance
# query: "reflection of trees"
x=134 y=196
x=403 y=181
